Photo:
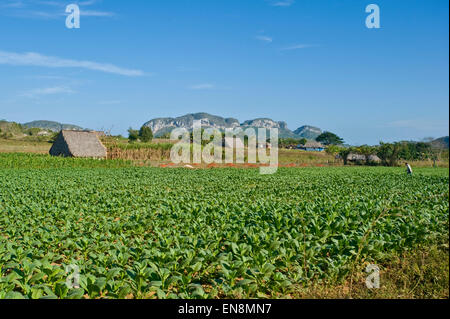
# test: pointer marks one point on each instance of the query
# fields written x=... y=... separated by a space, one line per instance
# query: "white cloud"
x=92 y=13
x=283 y=3
x=203 y=86
x=264 y=38
x=36 y=59
x=12 y=4
x=48 y=91
x=45 y=77
x=87 y=2
x=297 y=47
x=48 y=9
x=50 y=3
x=59 y=3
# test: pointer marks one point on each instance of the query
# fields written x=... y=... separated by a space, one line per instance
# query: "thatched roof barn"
x=312 y=146
x=353 y=157
x=78 y=144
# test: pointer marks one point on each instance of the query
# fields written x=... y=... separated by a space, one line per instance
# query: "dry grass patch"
x=418 y=274
x=21 y=146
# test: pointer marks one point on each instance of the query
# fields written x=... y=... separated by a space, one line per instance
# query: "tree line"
x=390 y=153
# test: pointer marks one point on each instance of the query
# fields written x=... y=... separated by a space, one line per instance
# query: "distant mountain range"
x=51 y=126
x=442 y=142
x=161 y=126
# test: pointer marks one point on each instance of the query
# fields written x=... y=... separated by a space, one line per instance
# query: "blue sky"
x=306 y=62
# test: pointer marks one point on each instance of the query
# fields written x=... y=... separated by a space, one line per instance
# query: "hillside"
x=442 y=142
x=308 y=132
x=161 y=126
x=51 y=126
x=10 y=128
x=35 y=129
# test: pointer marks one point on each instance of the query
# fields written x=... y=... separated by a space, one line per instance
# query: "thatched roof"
x=99 y=133
x=78 y=144
x=359 y=157
x=374 y=158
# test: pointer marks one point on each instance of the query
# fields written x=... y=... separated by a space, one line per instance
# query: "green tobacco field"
x=213 y=233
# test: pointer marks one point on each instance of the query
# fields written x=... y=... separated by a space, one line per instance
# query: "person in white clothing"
x=408 y=169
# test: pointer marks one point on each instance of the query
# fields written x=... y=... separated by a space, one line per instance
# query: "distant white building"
x=43 y=133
